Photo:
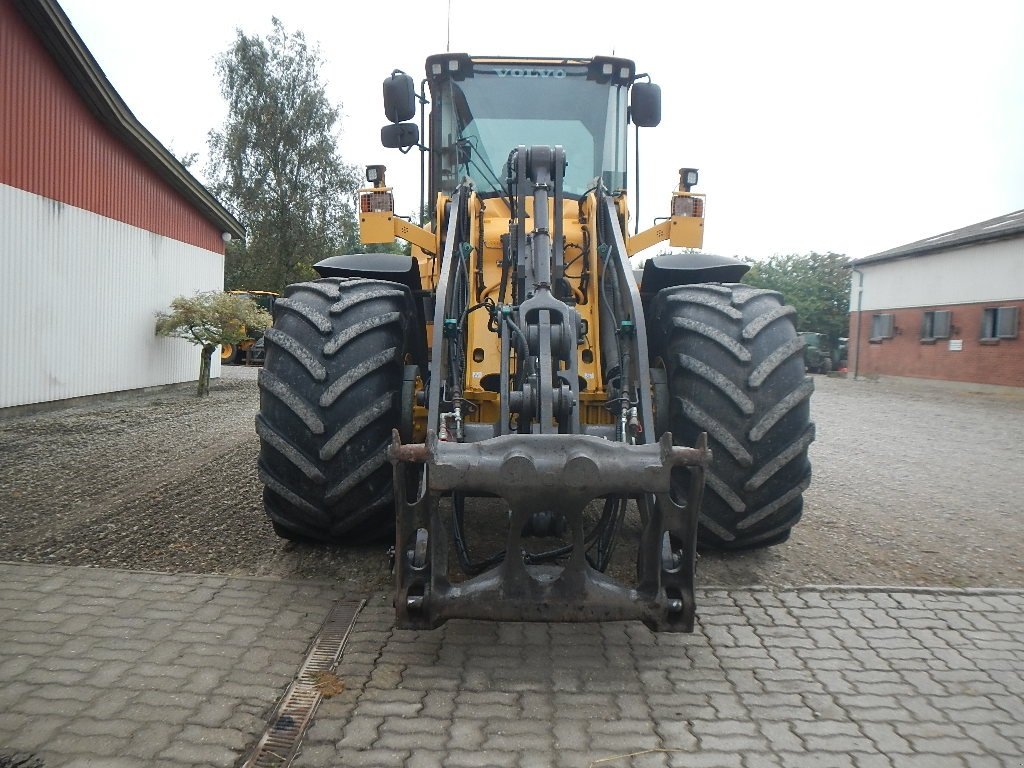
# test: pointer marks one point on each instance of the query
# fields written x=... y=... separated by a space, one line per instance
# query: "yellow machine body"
x=489 y=220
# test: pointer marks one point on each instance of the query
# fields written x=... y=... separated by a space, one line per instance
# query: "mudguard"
x=396 y=267
x=669 y=270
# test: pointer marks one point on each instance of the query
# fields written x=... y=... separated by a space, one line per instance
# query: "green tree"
x=209 y=320
x=188 y=160
x=276 y=162
x=817 y=284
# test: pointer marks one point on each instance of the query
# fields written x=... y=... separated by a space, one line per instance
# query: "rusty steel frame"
x=527 y=471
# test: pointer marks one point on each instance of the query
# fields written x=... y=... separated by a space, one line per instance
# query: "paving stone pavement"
x=851 y=679
x=116 y=668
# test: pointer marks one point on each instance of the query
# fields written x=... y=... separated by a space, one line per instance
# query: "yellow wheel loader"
x=517 y=357
x=246 y=351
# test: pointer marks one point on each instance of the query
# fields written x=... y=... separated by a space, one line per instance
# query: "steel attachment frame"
x=527 y=471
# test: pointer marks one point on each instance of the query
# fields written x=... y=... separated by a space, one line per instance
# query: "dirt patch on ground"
x=914 y=485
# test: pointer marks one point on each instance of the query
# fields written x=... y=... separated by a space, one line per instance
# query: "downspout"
x=860 y=296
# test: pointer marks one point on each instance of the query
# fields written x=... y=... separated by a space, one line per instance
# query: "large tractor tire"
x=330 y=393
x=735 y=370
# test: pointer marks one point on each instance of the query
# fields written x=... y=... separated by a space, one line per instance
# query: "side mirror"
x=645 y=104
x=400 y=135
x=399 y=97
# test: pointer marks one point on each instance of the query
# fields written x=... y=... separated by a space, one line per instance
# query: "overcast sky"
x=851 y=127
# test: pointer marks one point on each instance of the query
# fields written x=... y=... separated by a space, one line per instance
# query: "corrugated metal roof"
x=999 y=228
x=60 y=39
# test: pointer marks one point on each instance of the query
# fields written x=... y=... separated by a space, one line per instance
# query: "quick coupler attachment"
x=536 y=474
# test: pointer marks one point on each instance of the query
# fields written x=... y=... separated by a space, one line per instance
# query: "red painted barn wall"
x=53 y=146
x=999 y=363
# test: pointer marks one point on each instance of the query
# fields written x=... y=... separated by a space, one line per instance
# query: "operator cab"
x=484 y=107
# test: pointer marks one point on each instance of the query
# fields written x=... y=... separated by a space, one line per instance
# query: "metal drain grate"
x=279 y=743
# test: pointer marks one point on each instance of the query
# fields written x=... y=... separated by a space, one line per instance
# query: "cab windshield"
x=479 y=120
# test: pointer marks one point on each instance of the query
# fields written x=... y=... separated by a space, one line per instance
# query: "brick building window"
x=936 y=325
x=999 y=323
x=882 y=327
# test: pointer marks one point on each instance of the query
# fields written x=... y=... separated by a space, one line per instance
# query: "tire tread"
x=293 y=347
x=731 y=356
x=330 y=395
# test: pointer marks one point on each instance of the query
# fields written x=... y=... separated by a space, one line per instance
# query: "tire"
x=826 y=366
x=227 y=354
x=736 y=371
x=329 y=397
x=258 y=351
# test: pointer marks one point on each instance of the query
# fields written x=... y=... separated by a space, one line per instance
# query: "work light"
x=687 y=178
x=375 y=174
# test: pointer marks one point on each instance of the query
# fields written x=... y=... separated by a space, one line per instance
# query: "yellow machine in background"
x=243 y=353
x=516 y=355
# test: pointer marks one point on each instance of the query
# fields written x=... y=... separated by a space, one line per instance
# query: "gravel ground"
x=914 y=485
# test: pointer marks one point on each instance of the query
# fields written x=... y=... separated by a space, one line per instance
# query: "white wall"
x=78 y=298
x=985 y=272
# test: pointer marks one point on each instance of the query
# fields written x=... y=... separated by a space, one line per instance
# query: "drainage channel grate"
x=279 y=743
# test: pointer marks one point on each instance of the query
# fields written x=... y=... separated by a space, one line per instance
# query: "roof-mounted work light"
x=375 y=175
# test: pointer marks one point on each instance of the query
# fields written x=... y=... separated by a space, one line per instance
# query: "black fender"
x=396 y=267
x=668 y=270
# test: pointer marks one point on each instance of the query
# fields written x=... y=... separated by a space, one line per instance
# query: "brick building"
x=947 y=307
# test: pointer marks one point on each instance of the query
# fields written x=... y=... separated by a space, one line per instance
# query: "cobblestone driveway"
x=118 y=669
x=788 y=678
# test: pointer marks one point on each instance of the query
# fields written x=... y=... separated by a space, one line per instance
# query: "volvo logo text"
x=558 y=74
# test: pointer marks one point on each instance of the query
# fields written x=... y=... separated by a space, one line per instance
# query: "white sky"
x=852 y=127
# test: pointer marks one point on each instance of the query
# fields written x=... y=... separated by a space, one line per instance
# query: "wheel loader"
x=243 y=352
x=517 y=359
